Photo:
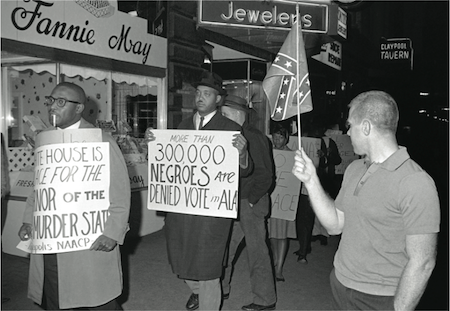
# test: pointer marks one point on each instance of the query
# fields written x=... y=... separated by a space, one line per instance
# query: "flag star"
x=288 y=64
x=282 y=95
x=286 y=81
x=279 y=109
x=277 y=59
x=301 y=94
x=307 y=81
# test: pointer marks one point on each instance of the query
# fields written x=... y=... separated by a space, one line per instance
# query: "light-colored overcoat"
x=89 y=278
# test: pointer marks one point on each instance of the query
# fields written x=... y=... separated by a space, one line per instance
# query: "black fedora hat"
x=212 y=80
x=236 y=102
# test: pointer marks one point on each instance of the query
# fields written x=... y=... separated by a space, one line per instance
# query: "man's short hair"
x=378 y=107
x=75 y=88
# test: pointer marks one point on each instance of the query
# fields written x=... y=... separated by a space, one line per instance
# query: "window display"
x=122 y=104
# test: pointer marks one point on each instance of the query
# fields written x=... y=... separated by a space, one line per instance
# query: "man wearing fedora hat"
x=196 y=244
x=253 y=209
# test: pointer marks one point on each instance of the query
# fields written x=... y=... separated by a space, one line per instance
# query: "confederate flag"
x=280 y=83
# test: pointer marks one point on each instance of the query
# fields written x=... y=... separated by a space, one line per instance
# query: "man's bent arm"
x=421 y=250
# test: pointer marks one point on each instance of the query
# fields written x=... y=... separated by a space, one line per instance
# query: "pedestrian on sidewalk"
x=280 y=229
x=304 y=218
x=196 y=244
x=89 y=278
x=253 y=208
x=331 y=158
x=387 y=211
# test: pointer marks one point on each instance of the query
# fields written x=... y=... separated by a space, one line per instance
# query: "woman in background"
x=279 y=229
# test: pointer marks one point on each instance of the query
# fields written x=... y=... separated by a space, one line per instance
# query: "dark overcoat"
x=196 y=244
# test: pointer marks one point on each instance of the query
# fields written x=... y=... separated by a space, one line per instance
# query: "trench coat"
x=89 y=278
x=196 y=244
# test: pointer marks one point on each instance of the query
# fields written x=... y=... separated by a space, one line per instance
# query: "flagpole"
x=299 y=127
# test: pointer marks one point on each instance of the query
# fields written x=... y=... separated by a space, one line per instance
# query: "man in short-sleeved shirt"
x=387 y=211
x=376 y=222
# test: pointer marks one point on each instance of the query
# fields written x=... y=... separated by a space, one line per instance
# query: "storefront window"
x=23 y=95
x=243 y=78
x=129 y=101
x=253 y=92
x=141 y=113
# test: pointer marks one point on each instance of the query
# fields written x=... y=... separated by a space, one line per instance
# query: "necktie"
x=201 y=123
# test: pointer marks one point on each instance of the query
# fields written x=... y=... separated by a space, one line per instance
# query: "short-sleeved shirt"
x=383 y=203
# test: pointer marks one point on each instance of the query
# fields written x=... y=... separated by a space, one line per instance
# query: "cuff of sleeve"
x=243 y=160
x=118 y=237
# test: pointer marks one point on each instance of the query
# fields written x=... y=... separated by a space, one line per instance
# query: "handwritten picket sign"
x=71 y=185
x=343 y=143
x=310 y=145
x=286 y=192
x=280 y=207
x=193 y=172
x=345 y=148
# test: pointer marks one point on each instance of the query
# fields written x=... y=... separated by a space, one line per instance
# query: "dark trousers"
x=50 y=300
x=252 y=227
x=304 y=223
x=345 y=298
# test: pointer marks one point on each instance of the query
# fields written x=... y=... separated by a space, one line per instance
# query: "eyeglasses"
x=60 y=102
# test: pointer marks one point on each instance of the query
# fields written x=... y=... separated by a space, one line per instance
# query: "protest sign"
x=310 y=145
x=71 y=186
x=346 y=152
x=193 y=172
x=286 y=192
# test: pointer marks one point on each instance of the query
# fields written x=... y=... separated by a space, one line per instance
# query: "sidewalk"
x=150 y=284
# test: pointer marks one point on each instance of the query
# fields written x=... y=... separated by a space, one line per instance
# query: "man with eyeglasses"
x=91 y=278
